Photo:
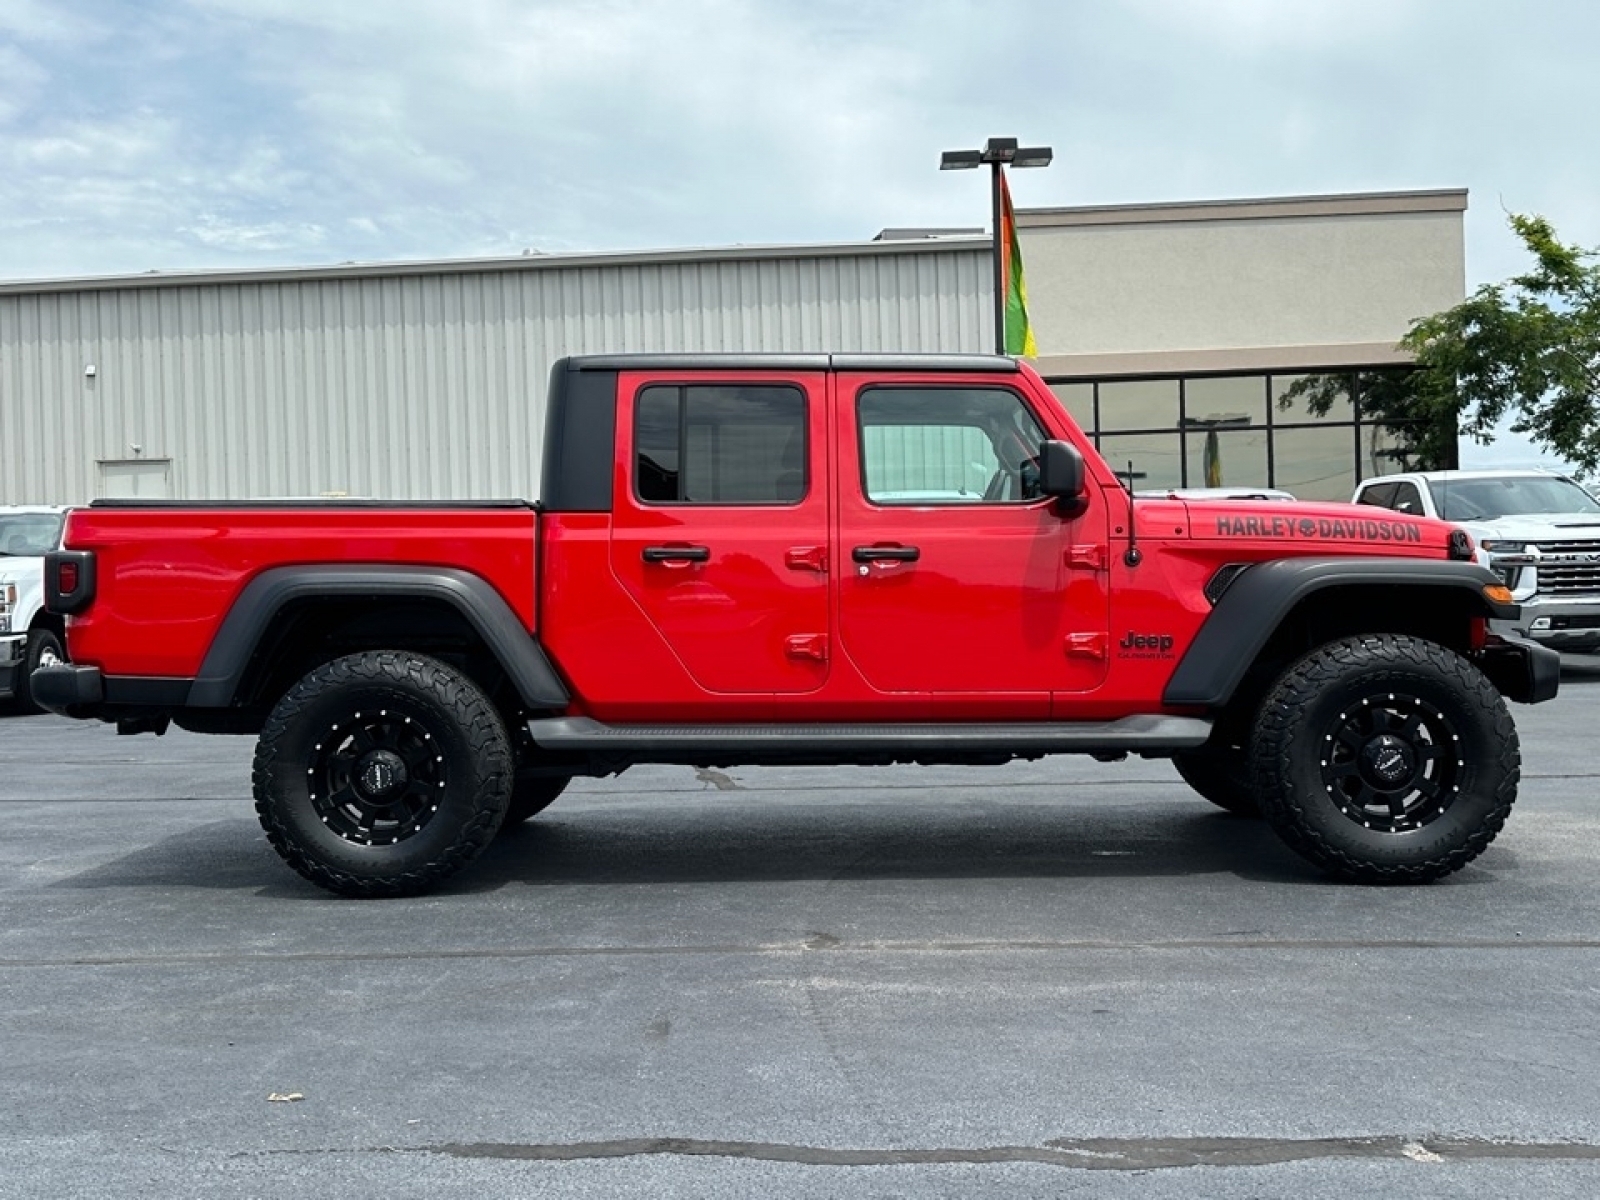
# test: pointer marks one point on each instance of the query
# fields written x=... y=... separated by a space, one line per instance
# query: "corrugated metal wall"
x=410 y=385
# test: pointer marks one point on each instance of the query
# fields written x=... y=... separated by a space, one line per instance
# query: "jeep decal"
x=1145 y=645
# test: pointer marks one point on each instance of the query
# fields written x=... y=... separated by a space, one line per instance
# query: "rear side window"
x=1379 y=494
x=948 y=446
x=1407 y=499
x=720 y=444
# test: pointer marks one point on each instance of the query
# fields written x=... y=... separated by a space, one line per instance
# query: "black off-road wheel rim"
x=1392 y=763
x=377 y=777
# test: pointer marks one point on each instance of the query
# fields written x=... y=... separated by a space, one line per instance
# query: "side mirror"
x=1061 y=471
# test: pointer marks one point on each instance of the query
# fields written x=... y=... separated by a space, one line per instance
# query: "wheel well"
x=1443 y=615
x=55 y=624
x=304 y=634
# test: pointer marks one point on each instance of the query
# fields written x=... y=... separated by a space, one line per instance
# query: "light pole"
x=997 y=152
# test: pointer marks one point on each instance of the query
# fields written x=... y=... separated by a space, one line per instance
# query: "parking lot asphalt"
x=1052 y=978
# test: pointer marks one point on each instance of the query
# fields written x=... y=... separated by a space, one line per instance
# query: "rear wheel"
x=381 y=774
x=1386 y=759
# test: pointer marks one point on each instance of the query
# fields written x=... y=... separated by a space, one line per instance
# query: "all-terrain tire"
x=1385 y=759
x=382 y=773
x=531 y=795
x=1223 y=775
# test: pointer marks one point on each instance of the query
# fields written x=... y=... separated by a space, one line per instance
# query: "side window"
x=1379 y=494
x=720 y=444
x=1407 y=499
x=948 y=446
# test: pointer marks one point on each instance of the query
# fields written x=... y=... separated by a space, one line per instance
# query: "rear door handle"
x=665 y=554
x=866 y=554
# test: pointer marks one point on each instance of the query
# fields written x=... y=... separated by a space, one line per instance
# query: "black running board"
x=1156 y=736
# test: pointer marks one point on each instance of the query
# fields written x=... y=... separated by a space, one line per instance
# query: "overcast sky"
x=173 y=134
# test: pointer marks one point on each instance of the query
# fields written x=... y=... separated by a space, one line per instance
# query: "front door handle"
x=866 y=554
x=666 y=554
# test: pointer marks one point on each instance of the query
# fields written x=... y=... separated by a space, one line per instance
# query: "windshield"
x=1517 y=496
x=29 y=535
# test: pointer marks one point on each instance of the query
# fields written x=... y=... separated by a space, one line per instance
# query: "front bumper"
x=1559 y=622
x=1520 y=670
x=13 y=657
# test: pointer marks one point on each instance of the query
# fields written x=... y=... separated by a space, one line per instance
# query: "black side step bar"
x=1142 y=734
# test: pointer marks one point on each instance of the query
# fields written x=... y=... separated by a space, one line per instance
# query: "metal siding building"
x=1173 y=332
x=411 y=381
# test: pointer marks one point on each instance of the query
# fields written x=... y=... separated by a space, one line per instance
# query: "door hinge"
x=1088 y=558
x=807 y=645
x=807 y=558
x=1086 y=645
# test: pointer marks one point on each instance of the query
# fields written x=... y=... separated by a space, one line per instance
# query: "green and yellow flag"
x=1019 y=334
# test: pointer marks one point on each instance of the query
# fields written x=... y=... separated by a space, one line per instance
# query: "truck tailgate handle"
x=866 y=554
x=667 y=554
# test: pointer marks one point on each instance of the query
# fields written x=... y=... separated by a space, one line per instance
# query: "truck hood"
x=1548 y=527
x=1319 y=527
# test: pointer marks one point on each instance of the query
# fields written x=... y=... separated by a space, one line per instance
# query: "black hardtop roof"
x=996 y=363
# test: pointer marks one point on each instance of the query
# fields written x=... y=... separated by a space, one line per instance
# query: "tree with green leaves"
x=1527 y=349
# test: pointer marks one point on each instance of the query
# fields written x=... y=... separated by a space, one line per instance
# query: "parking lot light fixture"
x=997 y=153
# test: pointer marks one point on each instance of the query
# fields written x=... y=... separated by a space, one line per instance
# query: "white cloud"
x=213 y=230
x=1263 y=26
x=49 y=21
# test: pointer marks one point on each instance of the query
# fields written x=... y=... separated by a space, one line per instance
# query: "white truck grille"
x=1569 y=568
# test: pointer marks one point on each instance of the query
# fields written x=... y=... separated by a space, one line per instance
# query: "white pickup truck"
x=1539 y=531
x=29 y=636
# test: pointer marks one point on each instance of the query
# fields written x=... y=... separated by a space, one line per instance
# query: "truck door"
x=956 y=579
x=722 y=536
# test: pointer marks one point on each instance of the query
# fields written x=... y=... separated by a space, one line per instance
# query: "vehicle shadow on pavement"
x=676 y=843
x=218 y=855
x=1024 y=843
x=795 y=842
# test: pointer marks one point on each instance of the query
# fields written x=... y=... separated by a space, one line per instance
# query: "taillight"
x=68 y=580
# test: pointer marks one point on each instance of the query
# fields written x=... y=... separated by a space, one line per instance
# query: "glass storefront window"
x=1077 y=399
x=1225 y=402
x=1237 y=430
x=1383 y=451
x=1227 y=457
x=1139 y=404
x=1157 y=458
x=1315 y=464
x=1332 y=389
x=1385 y=394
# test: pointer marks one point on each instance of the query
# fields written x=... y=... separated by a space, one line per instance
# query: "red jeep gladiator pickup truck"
x=814 y=558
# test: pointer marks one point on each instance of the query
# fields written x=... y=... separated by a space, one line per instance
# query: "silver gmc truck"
x=1539 y=531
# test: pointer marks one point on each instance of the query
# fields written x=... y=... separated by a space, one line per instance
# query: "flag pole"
x=999 y=259
x=997 y=152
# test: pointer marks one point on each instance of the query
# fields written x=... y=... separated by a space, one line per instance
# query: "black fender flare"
x=1257 y=600
x=471 y=595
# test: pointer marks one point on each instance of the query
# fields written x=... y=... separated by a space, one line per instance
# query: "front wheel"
x=44 y=650
x=1386 y=759
x=381 y=774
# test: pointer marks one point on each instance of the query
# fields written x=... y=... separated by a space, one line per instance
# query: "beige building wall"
x=1292 y=283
